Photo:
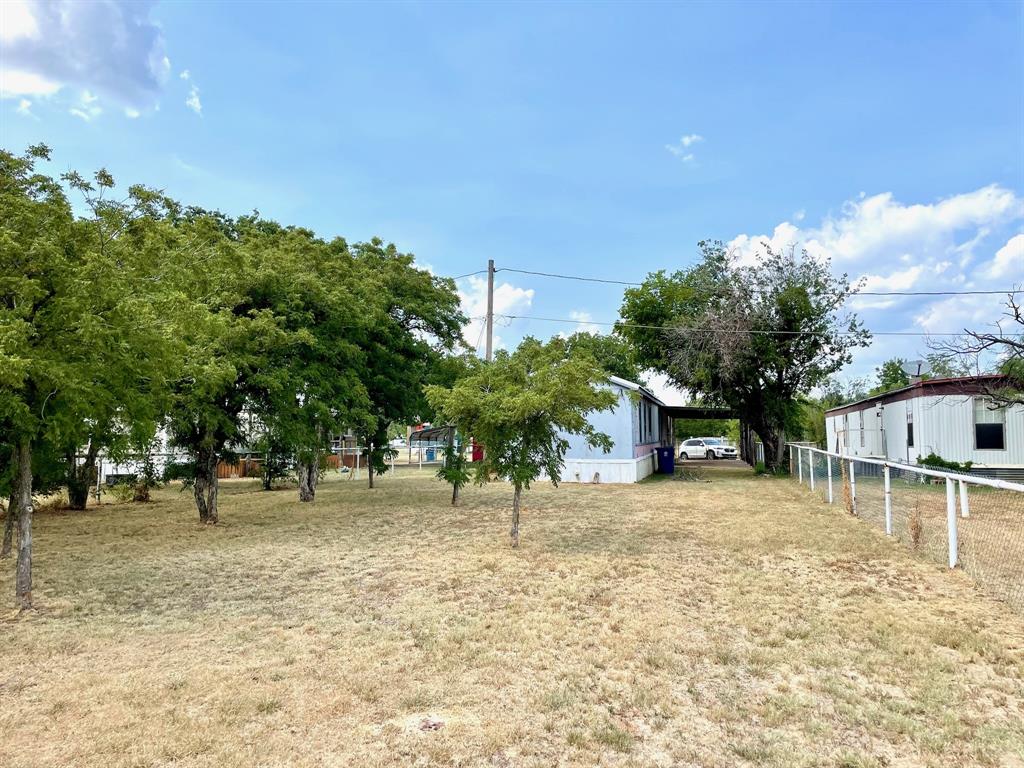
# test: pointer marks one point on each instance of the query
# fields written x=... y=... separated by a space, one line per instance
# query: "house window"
x=863 y=428
x=910 y=427
x=989 y=425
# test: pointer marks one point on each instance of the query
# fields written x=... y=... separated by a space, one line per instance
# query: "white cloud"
x=939 y=246
x=584 y=323
x=872 y=234
x=800 y=215
x=131 y=113
x=15 y=82
x=680 y=149
x=16 y=20
x=25 y=108
x=1009 y=261
x=111 y=48
x=508 y=300
x=185 y=74
x=87 y=108
x=193 y=103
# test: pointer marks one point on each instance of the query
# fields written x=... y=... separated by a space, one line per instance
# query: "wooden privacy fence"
x=254 y=467
x=961 y=521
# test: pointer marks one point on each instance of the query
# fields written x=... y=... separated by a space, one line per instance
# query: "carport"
x=748 y=451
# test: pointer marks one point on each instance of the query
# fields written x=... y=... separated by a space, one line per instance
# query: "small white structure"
x=948 y=417
x=638 y=425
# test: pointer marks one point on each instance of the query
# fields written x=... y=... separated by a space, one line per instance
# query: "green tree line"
x=140 y=312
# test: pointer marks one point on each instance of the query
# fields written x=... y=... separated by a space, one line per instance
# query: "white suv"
x=706 y=448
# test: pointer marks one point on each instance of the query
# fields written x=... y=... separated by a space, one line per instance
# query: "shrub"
x=934 y=461
x=123 y=492
x=760 y=469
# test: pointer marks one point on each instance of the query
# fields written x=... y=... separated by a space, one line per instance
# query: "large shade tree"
x=78 y=309
x=522 y=406
x=413 y=324
x=754 y=337
x=312 y=390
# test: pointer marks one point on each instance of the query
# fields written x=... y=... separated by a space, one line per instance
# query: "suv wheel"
x=710 y=455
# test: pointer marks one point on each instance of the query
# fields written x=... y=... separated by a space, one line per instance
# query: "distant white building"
x=948 y=417
x=638 y=425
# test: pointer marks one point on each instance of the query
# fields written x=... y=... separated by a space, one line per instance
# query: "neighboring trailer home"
x=949 y=417
x=638 y=425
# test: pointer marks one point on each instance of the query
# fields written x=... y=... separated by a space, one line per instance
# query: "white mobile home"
x=949 y=417
x=638 y=425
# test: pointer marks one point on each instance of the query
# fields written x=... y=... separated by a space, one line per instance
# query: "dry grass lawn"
x=734 y=622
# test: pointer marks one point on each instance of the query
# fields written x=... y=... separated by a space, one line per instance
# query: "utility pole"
x=490 y=309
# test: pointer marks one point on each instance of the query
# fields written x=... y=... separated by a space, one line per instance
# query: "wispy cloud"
x=25 y=109
x=583 y=320
x=682 y=148
x=193 y=102
x=87 y=108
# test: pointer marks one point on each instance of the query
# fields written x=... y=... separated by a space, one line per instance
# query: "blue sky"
x=603 y=140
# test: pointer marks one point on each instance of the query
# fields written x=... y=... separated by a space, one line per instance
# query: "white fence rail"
x=963 y=521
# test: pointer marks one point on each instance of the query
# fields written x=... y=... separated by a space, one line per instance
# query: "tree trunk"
x=267 y=480
x=369 y=463
x=206 y=485
x=81 y=479
x=455 y=494
x=774 y=444
x=515 y=515
x=12 y=513
x=23 y=483
x=308 y=472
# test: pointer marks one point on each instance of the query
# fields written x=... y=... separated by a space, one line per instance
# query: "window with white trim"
x=989 y=425
x=910 y=426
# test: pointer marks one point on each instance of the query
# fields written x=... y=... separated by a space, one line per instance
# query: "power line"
x=723 y=330
x=470 y=274
x=583 y=279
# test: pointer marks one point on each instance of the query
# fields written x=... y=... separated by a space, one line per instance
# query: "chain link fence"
x=961 y=521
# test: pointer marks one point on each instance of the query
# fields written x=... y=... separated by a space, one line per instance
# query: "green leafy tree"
x=311 y=389
x=79 y=317
x=687 y=428
x=890 y=376
x=413 y=325
x=230 y=335
x=612 y=352
x=754 y=338
x=521 y=406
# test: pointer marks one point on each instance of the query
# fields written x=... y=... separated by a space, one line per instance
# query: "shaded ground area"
x=730 y=620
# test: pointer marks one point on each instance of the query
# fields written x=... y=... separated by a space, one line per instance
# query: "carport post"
x=828 y=469
x=810 y=466
x=951 y=521
x=965 y=507
x=888 y=501
x=799 y=467
x=853 y=489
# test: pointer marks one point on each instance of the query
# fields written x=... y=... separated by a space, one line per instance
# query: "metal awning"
x=431 y=435
x=698 y=412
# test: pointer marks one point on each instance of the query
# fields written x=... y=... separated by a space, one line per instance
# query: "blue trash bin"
x=666 y=461
x=430 y=454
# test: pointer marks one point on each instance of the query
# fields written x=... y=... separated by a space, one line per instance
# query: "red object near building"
x=478 y=451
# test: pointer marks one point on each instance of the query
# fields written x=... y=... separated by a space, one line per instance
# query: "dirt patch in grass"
x=733 y=622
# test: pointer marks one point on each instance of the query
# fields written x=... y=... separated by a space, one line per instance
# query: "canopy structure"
x=698 y=412
x=432 y=434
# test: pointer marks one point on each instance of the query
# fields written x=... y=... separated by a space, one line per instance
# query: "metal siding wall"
x=948 y=430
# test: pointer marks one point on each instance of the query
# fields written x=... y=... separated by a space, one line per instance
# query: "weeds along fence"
x=962 y=521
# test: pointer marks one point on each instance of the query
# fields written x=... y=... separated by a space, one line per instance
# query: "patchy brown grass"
x=735 y=622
